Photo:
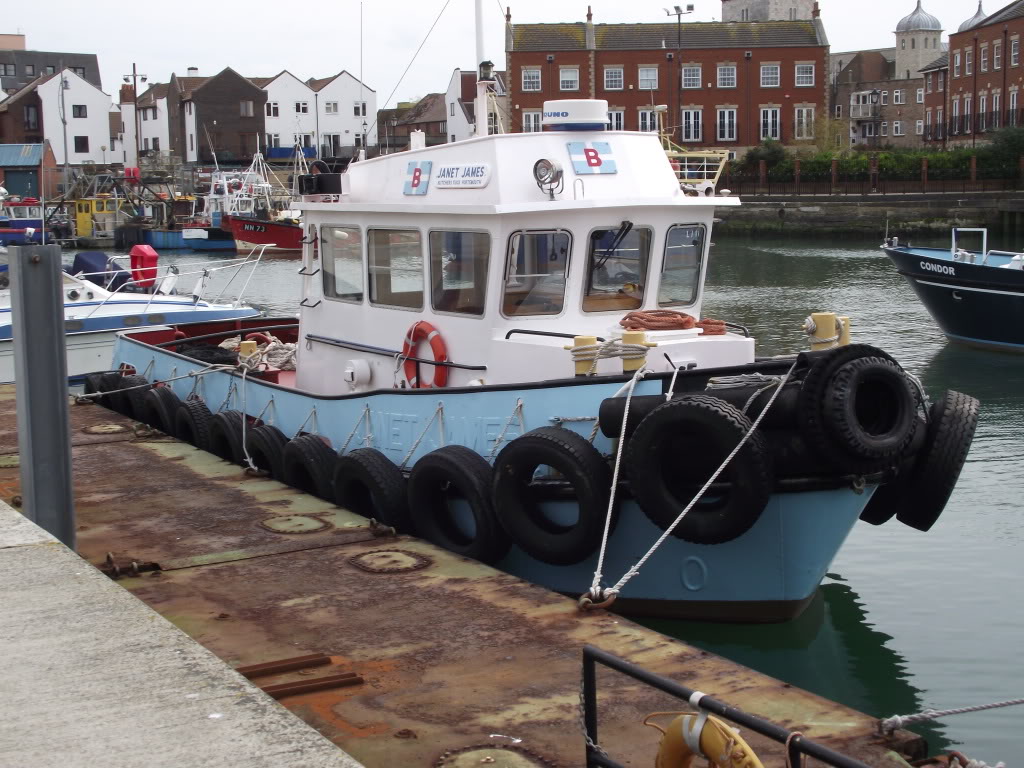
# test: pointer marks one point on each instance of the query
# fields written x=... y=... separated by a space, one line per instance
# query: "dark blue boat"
x=976 y=297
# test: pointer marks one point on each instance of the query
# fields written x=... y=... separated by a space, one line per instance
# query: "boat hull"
x=974 y=304
x=768 y=573
x=253 y=233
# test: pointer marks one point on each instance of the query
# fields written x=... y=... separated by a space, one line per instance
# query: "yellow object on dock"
x=827 y=331
x=635 y=337
x=582 y=367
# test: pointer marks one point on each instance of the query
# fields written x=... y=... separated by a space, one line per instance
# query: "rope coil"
x=670 y=320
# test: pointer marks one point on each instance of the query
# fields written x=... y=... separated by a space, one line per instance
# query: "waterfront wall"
x=797 y=216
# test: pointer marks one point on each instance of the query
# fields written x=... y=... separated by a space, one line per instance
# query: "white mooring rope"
x=606 y=350
x=810 y=328
x=890 y=724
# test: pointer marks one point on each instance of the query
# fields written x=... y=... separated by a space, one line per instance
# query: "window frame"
x=683 y=77
x=765 y=68
x=272 y=109
x=301 y=107
x=808 y=124
x=423 y=269
x=622 y=119
x=363 y=266
x=622 y=78
x=640 y=78
x=644 y=277
x=539 y=127
x=78 y=151
x=330 y=107
x=698 y=286
x=698 y=122
x=919 y=96
x=719 y=111
x=796 y=76
x=562 y=80
x=508 y=261
x=246 y=108
x=726 y=67
x=486 y=277
x=766 y=133
x=652 y=117
x=79 y=111
x=523 y=80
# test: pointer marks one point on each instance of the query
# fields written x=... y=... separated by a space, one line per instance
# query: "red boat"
x=286 y=236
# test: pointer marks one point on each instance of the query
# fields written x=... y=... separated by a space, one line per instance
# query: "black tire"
x=101 y=382
x=813 y=394
x=159 y=409
x=951 y=424
x=870 y=409
x=308 y=464
x=128 y=400
x=434 y=475
x=885 y=501
x=368 y=483
x=518 y=503
x=192 y=423
x=677 y=448
x=266 y=446
x=226 y=436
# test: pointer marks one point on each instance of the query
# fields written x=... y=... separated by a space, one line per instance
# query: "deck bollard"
x=635 y=337
x=844 y=335
x=582 y=366
x=824 y=330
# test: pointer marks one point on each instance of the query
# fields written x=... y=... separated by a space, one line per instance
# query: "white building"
x=346 y=112
x=460 y=105
x=78 y=112
x=290 y=114
x=154 y=128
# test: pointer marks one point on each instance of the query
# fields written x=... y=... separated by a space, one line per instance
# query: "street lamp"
x=133 y=78
x=103 y=149
x=365 y=126
x=678 y=12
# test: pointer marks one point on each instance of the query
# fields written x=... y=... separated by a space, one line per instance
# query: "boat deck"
x=448 y=662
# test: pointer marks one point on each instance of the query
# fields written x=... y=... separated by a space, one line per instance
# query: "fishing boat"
x=21 y=220
x=265 y=217
x=468 y=369
x=976 y=297
x=101 y=298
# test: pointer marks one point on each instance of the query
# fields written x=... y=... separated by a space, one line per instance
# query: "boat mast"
x=480 y=107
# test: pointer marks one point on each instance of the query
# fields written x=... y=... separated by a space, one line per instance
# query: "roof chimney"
x=590 y=15
x=591 y=40
x=127 y=95
x=509 y=42
x=816 y=12
x=192 y=72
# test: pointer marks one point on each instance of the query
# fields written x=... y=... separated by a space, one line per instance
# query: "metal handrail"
x=796 y=744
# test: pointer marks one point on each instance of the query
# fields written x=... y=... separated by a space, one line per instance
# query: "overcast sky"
x=317 y=38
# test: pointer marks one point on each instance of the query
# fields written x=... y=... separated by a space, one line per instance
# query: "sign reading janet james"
x=472 y=176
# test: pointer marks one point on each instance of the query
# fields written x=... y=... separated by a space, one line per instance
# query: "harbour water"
x=906 y=621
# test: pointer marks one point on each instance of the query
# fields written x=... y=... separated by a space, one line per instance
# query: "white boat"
x=98 y=304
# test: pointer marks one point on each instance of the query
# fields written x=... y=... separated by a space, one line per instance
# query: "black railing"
x=795 y=744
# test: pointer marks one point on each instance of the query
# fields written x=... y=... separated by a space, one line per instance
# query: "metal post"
x=41 y=376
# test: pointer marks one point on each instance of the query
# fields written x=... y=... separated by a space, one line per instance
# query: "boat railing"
x=984 y=242
x=204 y=273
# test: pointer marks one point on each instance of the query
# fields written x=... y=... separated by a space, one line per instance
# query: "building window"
x=928 y=82
x=897 y=96
x=613 y=78
x=996 y=104
x=969 y=61
x=569 y=79
x=81 y=143
x=981 y=112
x=359 y=109
x=273 y=140
x=928 y=117
x=648 y=120
x=342 y=249
x=984 y=59
x=31 y=115
x=50 y=69
x=885 y=97
x=145 y=114
x=770 y=123
x=245 y=108
x=535 y=273
x=919 y=127
x=531 y=121
x=691 y=77
x=804 y=75
x=301 y=108
x=903 y=44
x=443 y=127
x=997 y=56
x=691 y=124
x=191 y=142
x=330 y=107
x=803 y=124
x=938 y=121
x=30 y=70
x=271 y=109
x=615 y=118
x=156 y=143
x=956 y=64
x=648 y=79
x=967 y=114
x=839 y=111
x=188 y=106
x=727 y=76
x=770 y=76
x=492 y=123
x=79 y=110
x=727 y=124
x=1014 y=53
x=897 y=128
x=80 y=71
x=920 y=95
x=358 y=140
x=395 y=267
x=680 y=272
x=458 y=271
x=942 y=81
x=531 y=79
x=1011 y=118
x=869 y=129
x=955 y=117
x=145 y=144
x=8 y=70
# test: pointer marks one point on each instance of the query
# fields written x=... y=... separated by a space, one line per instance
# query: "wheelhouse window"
x=535 y=273
x=616 y=268
x=458 y=271
x=680 y=274
x=395 y=265
x=342 y=251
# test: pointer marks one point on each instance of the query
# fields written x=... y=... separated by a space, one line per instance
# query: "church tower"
x=768 y=10
x=918 y=43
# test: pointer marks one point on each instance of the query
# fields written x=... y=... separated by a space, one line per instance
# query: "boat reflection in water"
x=830 y=649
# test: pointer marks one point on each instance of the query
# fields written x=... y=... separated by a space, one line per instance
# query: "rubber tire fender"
x=870 y=409
x=368 y=483
x=469 y=473
x=130 y=402
x=813 y=392
x=226 y=436
x=308 y=464
x=520 y=511
x=675 y=450
x=101 y=382
x=159 y=409
x=192 y=423
x=952 y=421
x=266 y=444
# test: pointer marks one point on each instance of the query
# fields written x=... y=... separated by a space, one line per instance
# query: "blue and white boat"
x=101 y=298
x=435 y=392
x=976 y=297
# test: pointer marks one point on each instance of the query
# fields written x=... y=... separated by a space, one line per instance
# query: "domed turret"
x=919 y=20
x=975 y=20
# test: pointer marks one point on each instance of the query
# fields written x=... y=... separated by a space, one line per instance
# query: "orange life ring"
x=424 y=331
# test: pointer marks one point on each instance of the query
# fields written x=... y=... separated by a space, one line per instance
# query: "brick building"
x=880 y=94
x=718 y=84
